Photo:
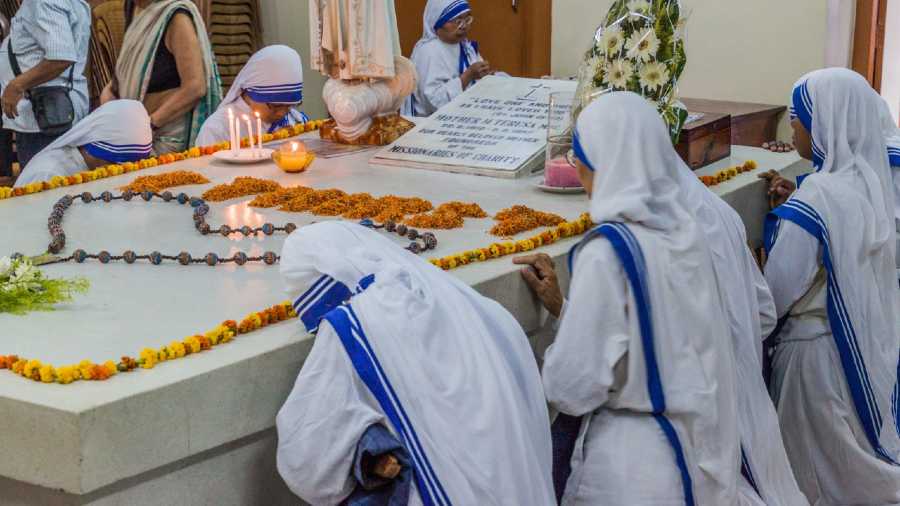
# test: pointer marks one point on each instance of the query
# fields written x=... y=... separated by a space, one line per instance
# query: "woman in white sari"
x=117 y=132
x=642 y=352
x=831 y=271
x=412 y=363
x=271 y=83
x=892 y=138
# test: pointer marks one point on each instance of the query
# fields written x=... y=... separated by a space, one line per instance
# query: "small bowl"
x=293 y=163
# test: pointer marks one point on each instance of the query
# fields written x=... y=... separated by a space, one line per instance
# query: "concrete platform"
x=199 y=430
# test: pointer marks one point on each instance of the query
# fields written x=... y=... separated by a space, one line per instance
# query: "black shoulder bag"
x=52 y=105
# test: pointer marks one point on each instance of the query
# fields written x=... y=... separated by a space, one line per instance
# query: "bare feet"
x=387 y=466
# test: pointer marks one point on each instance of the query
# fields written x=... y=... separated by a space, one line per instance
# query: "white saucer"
x=539 y=184
x=244 y=156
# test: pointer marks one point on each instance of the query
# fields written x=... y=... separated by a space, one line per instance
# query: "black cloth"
x=164 y=74
x=29 y=144
x=564 y=434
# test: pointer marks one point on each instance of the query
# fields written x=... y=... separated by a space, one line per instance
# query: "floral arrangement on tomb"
x=638 y=48
x=24 y=288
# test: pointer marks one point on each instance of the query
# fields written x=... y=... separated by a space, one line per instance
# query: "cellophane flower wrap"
x=638 y=48
x=24 y=288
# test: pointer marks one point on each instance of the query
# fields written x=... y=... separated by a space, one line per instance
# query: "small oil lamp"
x=293 y=157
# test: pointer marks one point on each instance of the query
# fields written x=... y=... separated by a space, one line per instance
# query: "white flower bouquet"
x=24 y=288
x=639 y=48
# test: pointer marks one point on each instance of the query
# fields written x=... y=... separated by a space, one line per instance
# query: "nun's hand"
x=540 y=274
x=780 y=189
x=12 y=94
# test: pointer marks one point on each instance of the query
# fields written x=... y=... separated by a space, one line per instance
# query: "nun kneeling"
x=417 y=389
x=271 y=84
x=643 y=353
x=831 y=269
x=117 y=132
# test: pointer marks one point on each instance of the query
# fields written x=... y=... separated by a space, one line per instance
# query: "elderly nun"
x=642 y=354
x=417 y=390
x=271 y=83
x=831 y=271
x=446 y=60
x=117 y=132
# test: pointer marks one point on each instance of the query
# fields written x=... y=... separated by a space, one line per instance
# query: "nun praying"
x=271 y=84
x=641 y=354
x=831 y=271
x=446 y=60
x=417 y=390
x=117 y=132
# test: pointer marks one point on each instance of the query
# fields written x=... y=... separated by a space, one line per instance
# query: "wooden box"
x=706 y=140
x=751 y=124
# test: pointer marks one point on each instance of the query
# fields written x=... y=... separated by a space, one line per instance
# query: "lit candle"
x=249 y=130
x=259 y=134
x=231 y=134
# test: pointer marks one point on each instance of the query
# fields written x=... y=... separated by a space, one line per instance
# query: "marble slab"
x=89 y=436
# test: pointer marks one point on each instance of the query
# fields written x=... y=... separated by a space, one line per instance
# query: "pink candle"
x=559 y=173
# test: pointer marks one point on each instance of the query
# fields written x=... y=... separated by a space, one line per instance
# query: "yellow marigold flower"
x=129 y=166
x=481 y=255
x=214 y=335
x=451 y=261
x=111 y=367
x=194 y=152
x=175 y=350
x=30 y=367
x=462 y=259
x=57 y=180
x=526 y=245
x=508 y=248
x=85 y=369
x=18 y=365
x=193 y=343
x=257 y=321
x=48 y=374
x=495 y=250
x=750 y=165
x=148 y=358
x=65 y=374
x=435 y=262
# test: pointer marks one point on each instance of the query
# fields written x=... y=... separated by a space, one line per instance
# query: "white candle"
x=260 y=135
x=249 y=130
x=231 y=134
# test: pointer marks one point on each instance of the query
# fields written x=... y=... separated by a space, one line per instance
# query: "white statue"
x=357 y=45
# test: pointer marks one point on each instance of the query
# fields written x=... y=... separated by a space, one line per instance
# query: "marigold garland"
x=148 y=358
x=500 y=249
x=729 y=173
x=119 y=169
x=240 y=187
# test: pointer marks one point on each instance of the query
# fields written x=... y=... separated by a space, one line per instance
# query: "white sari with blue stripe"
x=439 y=64
x=402 y=344
x=643 y=352
x=892 y=138
x=831 y=271
x=117 y=132
x=273 y=75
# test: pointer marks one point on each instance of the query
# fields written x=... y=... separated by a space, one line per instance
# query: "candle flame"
x=294 y=146
x=256 y=113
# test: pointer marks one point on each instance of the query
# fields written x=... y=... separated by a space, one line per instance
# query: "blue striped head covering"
x=449 y=10
x=116 y=132
x=273 y=75
x=802 y=109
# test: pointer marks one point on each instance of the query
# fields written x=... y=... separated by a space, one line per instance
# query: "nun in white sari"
x=892 y=138
x=271 y=83
x=642 y=352
x=766 y=475
x=117 y=132
x=440 y=64
x=831 y=271
x=444 y=375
